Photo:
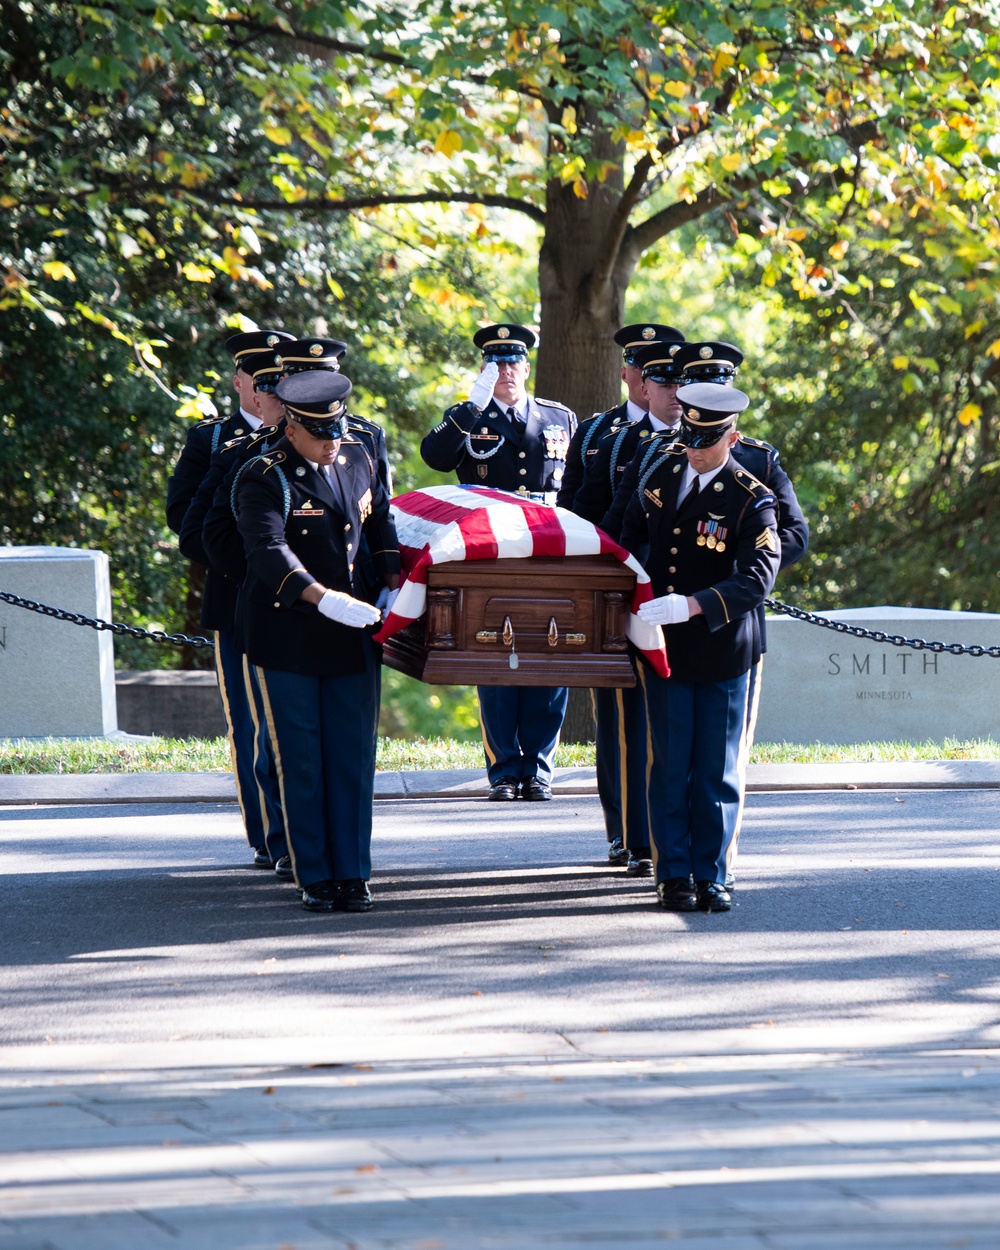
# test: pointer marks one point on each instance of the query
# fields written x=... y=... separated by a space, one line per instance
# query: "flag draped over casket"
x=445 y=523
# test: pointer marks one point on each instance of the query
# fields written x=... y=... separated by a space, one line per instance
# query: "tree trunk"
x=579 y=725
x=583 y=274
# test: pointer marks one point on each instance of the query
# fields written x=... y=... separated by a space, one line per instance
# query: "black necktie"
x=513 y=417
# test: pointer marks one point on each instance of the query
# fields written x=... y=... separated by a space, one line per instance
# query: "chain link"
x=876 y=635
x=112 y=627
x=775 y=605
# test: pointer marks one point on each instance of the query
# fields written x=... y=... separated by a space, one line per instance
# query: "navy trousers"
x=621 y=763
x=265 y=769
x=697 y=777
x=242 y=734
x=322 y=731
x=521 y=727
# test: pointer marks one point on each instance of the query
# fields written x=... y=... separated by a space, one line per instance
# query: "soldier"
x=710 y=532
x=219 y=599
x=504 y=438
x=301 y=509
x=601 y=448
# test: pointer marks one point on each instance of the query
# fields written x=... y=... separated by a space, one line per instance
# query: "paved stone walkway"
x=517 y=1049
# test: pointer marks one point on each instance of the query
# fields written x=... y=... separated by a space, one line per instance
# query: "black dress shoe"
x=535 y=791
x=713 y=896
x=261 y=859
x=677 y=894
x=617 y=853
x=321 y=896
x=504 y=790
x=640 y=862
x=353 y=896
x=283 y=869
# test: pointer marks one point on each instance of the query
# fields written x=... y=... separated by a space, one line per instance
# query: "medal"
x=712 y=542
x=701 y=540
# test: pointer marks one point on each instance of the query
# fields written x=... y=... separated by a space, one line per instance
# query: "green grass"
x=168 y=755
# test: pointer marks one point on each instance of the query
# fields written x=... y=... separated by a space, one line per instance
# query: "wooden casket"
x=540 y=621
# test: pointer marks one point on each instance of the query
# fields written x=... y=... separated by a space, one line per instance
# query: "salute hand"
x=482 y=388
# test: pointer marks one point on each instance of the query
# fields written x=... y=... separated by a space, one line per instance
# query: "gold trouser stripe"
x=491 y=759
x=272 y=730
x=649 y=762
x=230 y=736
x=742 y=758
x=248 y=686
x=622 y=762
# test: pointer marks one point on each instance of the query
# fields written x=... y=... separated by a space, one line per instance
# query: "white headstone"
x=822 y=686
x=56 y=678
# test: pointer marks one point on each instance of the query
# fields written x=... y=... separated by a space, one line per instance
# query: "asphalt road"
x=145 y=923
x=516 y=1049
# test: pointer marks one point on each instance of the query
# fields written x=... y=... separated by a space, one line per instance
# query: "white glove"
x=386 y=598
x=667 y=610
x=482 y=388
x=347 y=610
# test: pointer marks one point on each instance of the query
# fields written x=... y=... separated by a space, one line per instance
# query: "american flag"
x=446 y=523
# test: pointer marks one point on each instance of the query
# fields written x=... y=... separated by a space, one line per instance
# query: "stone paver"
x=516 y=1049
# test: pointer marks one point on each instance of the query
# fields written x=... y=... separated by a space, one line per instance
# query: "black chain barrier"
x=113 y=627
x=877 y=635
x=839 y=627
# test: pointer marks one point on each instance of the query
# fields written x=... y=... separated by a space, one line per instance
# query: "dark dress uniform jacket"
x=734 y=512
x=605 y=453
x=486 y=448
x=202 y=440
x=299 y=527
x=761 y=460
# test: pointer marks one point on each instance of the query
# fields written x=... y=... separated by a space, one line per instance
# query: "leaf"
x=128 y=246
x=900 y=362
x=838 y=250
x=279 y=135
x=677 y=89
x=57 y=270
x=448 y=143
x=913 y=261
x=969 y=413
x=731 y=161
x=994 y=349
x=197 y=273
x=569 y=120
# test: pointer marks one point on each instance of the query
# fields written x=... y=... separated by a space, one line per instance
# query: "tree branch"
x=678 y=214
x=619 y=221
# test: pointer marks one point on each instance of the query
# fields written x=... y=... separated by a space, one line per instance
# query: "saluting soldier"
x=708 y=529
x=503 y=438
x=301 y=509
x=219 y=598
x=599 y=452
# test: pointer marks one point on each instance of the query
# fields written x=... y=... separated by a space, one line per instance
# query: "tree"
x=607 y=123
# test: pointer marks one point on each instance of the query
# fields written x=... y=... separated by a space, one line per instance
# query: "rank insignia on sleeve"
x=766 y=538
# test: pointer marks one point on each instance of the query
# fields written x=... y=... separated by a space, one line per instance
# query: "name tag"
x=308 y=511
x=485 y=438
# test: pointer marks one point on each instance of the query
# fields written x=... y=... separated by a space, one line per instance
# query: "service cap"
x=505 y=343
x=658 y=361
x=301 y=354
x=710 y=362
x=317 y=400
x=709 y=412
x=240 y=345
x=635 y=337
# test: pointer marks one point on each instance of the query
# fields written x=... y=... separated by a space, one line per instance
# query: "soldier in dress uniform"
x=601 y=448
x=503 y=438
x=717 y=363
x=225 y=570
x=301 y=509
x=709 y=531
x=219 y=599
